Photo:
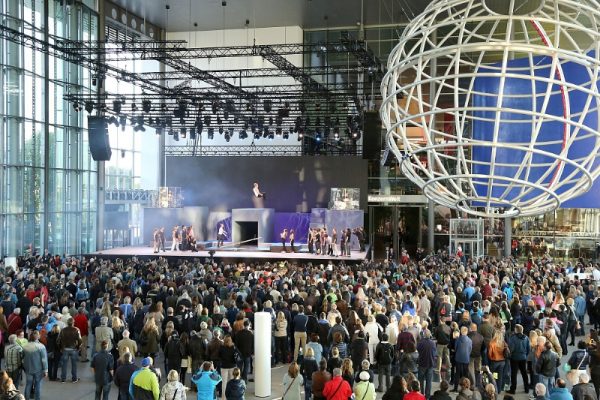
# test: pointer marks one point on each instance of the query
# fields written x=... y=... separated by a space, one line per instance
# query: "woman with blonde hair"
x=292 y=383
x=281 y=338
x=348 y=371
x=173 y=389
x=533 y=339
x=496 y=355
x=149 y=339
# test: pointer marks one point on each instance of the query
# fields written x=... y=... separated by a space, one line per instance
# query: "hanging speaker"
x=98 y=138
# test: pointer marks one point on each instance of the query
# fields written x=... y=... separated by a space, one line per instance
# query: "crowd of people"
x=341 y=330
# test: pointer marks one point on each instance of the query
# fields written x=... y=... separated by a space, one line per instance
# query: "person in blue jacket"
x=206 y=380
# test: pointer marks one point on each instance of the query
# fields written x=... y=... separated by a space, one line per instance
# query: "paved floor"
x=84 y=389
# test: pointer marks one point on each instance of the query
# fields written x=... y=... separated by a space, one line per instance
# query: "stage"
x=242 y=253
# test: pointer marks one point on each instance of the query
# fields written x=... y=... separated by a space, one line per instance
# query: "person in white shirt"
x=221 y=234
x=175 y=238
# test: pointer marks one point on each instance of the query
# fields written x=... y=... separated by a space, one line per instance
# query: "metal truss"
x=116 y=196
x=258 y=151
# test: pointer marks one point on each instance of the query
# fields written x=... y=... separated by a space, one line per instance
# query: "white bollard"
x=262 y=354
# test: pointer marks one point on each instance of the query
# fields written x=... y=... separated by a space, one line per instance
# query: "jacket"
x=463 y=347
x=69 y=338
x=580 y=359
x=173 y=353
x=409 y=362
x=130 y=344
x=292 y=387
x=319 y=379
x=384 y=353
x=443 y=334
x=477 y=344
x=337 y=389
x=547 y=363
x=226 y=355
x=468 y=394
x=123 y=376
x=560 y=394
x=103 y=333
x=244 y=341
x=280 y=328
x=235 y=390
x=581 y=390
x=173 y=391
x=365 y=391
x=144 y=385
x=496 y=352
x=206 y=382
x=80 y=321
x=440 y=395
x=151 y=344
x=35 y=358
x=519 y=347
x=414 y=396
x=427 y=353
x=308 y=367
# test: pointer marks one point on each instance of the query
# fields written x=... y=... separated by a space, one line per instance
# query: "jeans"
x=475 y=370
x=102 y=391
x=33 y=380
x=74 y=356
x=548 y=381
x=246 y=368
x=16 y=377
x=497 y=368
x=384 y=371
x=425 y=377
x=307 y=389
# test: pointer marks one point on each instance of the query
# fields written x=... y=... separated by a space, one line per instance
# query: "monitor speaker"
x=98 y=138
x=372 y=136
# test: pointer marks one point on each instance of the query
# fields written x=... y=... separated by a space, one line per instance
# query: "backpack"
x=387 y=354
x=44 y=336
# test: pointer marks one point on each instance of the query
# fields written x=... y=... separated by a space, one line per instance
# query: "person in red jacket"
x=14 y=321
x=415 y=392
x=81 y=322
x=337 y=388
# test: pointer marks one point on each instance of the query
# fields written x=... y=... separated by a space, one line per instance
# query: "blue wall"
x=519 y=95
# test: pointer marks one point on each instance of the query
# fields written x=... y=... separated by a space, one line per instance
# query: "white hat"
x=364 y=376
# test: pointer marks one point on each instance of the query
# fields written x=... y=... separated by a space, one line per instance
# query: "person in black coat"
x=441 y=394
x=359 y=349
x=173 y=352
x=123 y=376
x=244 y=340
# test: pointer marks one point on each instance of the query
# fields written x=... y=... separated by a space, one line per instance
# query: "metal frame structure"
x=471 y=40
x=469 y=234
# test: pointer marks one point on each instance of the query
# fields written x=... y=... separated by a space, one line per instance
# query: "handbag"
x=567 y=368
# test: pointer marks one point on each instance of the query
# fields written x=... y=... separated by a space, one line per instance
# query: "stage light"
x=76 y=107
x=268 y=105
x=117 y=106
x=89 y=107
x=286 y=134
x=256 y=135
x=278 y=131
x=300 y=134
x=159 y=131
x=317 y=136
x=113 y=120
x=356 y=135
x=207 y=120
x=133 y=107
x=220 y=130
x=211 y=133
x=243 y=134
x=193 y=133
x=146 y=106
x=183 y=133
x=219 y=120
x=336 y=133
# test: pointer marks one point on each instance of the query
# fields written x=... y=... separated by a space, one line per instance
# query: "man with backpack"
x=384 y=356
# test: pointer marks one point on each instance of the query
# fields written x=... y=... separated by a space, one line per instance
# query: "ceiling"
x=308 y=14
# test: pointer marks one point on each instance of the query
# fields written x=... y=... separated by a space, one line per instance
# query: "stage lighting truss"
x=240 y=100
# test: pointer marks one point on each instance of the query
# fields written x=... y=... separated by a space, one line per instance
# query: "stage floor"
x=240 y=253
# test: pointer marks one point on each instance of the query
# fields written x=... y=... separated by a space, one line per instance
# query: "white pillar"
x=262 y=354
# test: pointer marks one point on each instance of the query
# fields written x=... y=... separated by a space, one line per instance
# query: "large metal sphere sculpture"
x=492 y=106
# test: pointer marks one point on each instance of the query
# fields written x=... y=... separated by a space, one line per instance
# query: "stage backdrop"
x=292 y=184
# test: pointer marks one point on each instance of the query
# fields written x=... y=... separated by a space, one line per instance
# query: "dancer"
x=161 y=238
x=175 y=238
x=156 y=240
x=334 y=238
x=292 y=237
x=221 y=235
x=283 y=237
x=257 y=192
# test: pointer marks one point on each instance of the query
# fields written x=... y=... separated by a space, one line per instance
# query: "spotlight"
x=270 y=121
x=76 y=107
x=183 y=133
x=113 y=120
x=89 y=106
x=356 y=134
x=193 y=133
x=146 y=106
x=336 y=134
x=133 y=107
x=117 y=106
x=278 y=131
x=207 y=120
x=286 y=134
x=300 y=134
x=256 y=134
x=318 y=136
x=211 y=133
x=243 y=134
x=268 y=106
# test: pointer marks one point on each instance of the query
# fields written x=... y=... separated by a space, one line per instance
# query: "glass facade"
x=48 y=180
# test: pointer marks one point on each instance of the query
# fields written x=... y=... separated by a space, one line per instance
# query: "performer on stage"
x=161 y=238
x=292 y=237
x=221 y=235
x=156 y=240
x=257 y=192
x=175 y=238
x=191 y=237
x=283 y=236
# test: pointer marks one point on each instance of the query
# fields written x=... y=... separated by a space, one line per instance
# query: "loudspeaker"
x=372 y=136
x=98 y=138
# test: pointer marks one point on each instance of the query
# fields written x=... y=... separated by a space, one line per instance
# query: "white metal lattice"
x=431 y=80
